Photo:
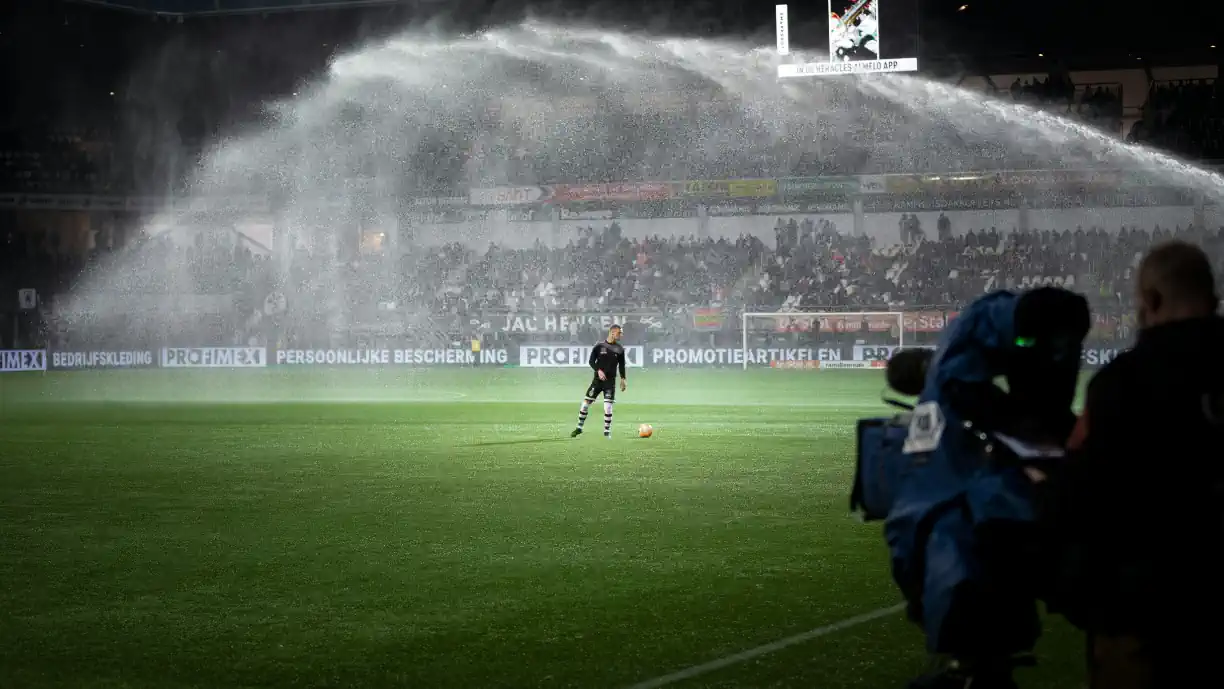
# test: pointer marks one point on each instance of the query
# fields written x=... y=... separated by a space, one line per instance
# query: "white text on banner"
x=214 y=357
x=12 y=360
x=569 y=356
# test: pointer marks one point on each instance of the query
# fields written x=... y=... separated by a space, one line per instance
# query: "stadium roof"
x=197 y=8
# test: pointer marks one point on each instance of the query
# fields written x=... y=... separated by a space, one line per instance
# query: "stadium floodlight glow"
x=854 y=43
x=770 y=338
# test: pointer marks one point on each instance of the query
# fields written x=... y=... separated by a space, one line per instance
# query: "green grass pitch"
x=437 y=528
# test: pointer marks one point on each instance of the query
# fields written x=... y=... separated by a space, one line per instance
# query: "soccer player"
x=608 y=359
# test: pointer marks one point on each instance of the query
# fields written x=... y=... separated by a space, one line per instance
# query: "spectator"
x=1186 y=117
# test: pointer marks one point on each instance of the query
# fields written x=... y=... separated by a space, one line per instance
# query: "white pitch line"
x=759 y=651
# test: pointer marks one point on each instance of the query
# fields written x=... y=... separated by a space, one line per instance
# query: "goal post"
x=821 y=339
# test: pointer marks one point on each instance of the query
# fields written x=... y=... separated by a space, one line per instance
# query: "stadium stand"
x=1186 y=117
x=826 y=270
x=811 y=265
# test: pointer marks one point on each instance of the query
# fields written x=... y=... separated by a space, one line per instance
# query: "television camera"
x=946 y=476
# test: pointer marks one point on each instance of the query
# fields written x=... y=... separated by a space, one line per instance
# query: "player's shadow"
x=528 y=441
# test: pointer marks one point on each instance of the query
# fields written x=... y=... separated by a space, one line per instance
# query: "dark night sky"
x=1080 y=27
x=948 y=27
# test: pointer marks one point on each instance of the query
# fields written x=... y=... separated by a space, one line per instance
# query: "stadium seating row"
x=826 y=270
x=1186 y=117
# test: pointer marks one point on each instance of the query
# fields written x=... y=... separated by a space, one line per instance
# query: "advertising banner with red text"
x=926 y=321
x=627 y=192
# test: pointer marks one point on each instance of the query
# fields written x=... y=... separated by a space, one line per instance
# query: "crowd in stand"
x=604 y=268
x=843 y=272
x=1186 y=117
x=810 y=266
x=1099 y=104
x=601 y=270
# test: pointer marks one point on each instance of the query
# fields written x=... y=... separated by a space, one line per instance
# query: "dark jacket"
x=1138 y=508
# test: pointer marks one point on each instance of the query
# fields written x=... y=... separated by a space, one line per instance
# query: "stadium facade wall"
x=527 y=356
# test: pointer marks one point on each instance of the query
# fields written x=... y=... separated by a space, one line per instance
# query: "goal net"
x=829 y=340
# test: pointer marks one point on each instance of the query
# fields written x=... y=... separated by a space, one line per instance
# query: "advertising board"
x=214 y=357
x=66 y=361
x=570 y=356
x=14 y=360
x=388 y=357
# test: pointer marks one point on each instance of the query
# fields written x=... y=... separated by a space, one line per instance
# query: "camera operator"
x=1137 y=509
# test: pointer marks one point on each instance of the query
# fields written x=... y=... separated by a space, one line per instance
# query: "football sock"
x=582 y=412
x=607 y=418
